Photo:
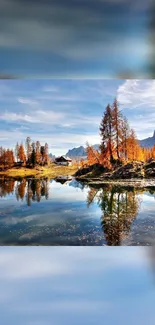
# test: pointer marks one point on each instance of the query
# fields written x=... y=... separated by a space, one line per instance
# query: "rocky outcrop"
x=150 y=169
x=96 y=169
x=135 y=170
x=131 y=170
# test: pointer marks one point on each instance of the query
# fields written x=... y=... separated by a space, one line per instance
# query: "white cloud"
x=21 y=263
x=137 y=99
x=137 y=93
x=35 y=116
x=32 y=264
x=27 y=101
x=16 y=117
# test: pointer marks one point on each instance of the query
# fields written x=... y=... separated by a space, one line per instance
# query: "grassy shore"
x=50 y=171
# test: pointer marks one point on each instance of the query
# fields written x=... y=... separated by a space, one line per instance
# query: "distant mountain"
x=148 y=142
x=76 y=152
x=79 y=152
x=96 y=146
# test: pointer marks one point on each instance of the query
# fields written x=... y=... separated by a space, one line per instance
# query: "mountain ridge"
x=79 y=151
x=148 y=142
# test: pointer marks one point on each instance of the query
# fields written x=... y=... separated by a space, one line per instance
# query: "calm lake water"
x=46 y=212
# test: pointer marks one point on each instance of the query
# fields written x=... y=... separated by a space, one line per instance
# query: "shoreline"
x=56 y=171
x=38 y=172
x=133 y=182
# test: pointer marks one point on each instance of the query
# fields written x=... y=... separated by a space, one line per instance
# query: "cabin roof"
x=63 y=158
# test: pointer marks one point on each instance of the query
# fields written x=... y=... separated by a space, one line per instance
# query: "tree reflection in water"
x=6 y=187
x=30 y=189
x=119 y=207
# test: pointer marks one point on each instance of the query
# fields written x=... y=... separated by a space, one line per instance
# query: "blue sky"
x=76 y=285
x=67 y=112
x=105 y=38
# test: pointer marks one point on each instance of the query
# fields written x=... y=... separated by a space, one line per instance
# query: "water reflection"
x=75 y=214
x=29 y=189
x=6 y=187
x=119 y=211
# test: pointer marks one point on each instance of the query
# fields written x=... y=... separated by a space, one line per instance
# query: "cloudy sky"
x=67 y=112
x=76 y=285
x=70 y=38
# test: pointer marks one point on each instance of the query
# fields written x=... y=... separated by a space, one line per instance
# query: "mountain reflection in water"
x=73 y=213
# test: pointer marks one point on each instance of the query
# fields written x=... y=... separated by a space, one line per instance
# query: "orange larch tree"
x=22 y=156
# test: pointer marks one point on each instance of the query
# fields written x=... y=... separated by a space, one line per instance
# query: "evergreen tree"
x=116 y=124
x=28 y=149
x=17 y=151
x=38 y=153
x=33 y=155
x=106 y=132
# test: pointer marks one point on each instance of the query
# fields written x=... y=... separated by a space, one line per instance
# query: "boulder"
x=96 y=169
x=130 y=170
x=150 y=169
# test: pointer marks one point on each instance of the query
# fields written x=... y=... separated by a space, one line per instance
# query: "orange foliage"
x=118 y=141
x=22 y=156
x=6 y=157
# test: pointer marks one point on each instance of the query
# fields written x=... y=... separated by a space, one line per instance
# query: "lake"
x=49 y=212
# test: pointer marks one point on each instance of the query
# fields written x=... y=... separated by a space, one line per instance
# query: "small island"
x=120 y=158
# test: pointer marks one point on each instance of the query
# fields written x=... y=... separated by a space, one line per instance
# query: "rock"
x=150 y=169
x=134 y=170
x=92 y=168
x=128 y=171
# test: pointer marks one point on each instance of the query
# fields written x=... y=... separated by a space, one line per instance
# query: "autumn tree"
x=28 y=149
x=33 y=154
x=153 y=152
x=106 y=132
x=17 y=151
x=6 y=157
x=82 y=163
x=92 y=154
x=125 y=132
x=116 y=125
x=46 y=153
x=132 y=146
x=38 y=152
x=22 y=156
x=118 y=141
x=9 y=158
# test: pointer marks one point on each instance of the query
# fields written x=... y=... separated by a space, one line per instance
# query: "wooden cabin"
x=64 y=161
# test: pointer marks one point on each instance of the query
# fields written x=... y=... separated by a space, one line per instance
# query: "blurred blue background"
x=77 y=285
x=88 y=38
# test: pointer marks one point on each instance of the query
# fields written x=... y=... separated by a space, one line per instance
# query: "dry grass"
x=51 y=171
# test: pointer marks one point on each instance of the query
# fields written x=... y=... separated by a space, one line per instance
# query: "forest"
x=119 y=143
x=30 y=155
